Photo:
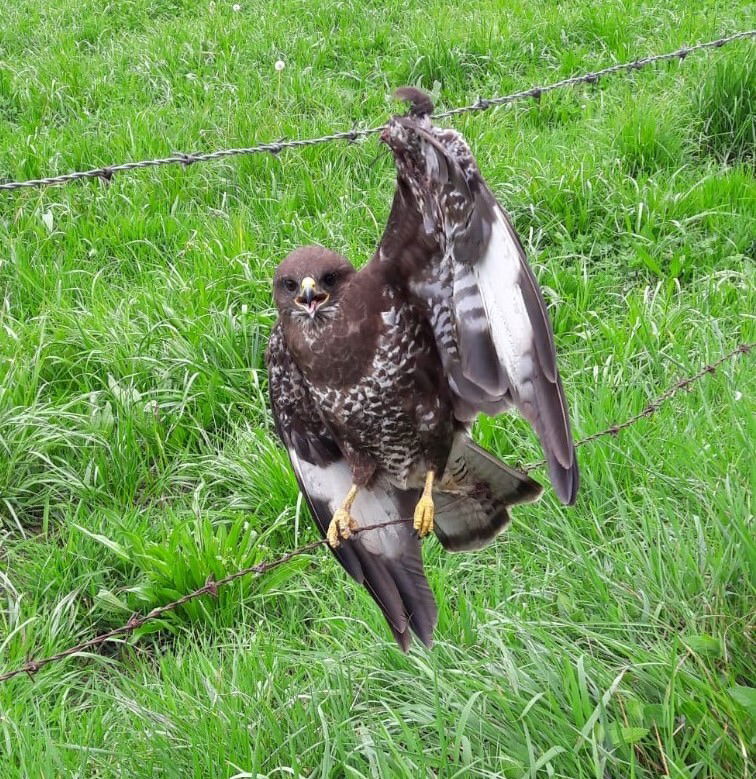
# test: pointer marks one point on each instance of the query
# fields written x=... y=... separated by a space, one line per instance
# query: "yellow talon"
x=424 y=511
x=342 y=523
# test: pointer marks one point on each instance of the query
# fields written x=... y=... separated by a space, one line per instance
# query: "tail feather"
x=474 y=495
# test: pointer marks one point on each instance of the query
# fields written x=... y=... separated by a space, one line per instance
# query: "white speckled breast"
x=386 y=415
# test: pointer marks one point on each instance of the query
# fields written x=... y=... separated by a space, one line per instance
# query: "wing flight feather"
x=455 y=248
x=386 y=561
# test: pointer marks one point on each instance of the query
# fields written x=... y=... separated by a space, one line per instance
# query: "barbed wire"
x=107 y=172
x=592 y=78
x=211 y=586
x=654 y=406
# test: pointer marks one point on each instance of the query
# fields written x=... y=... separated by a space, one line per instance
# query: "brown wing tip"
x=566 y=482
x=528 y=491
x=420 y=102
x=402 y=638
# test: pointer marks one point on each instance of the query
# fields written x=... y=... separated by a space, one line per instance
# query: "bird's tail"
x=474 y=494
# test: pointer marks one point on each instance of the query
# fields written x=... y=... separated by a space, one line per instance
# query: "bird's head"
x=308 y=285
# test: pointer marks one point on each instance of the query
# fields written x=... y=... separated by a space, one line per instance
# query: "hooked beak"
x=310 y=298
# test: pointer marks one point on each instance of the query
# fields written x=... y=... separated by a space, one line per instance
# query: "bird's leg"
x=425 y=510
x=342 y=522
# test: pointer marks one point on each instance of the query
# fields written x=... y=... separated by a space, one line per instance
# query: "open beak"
x=310 y=298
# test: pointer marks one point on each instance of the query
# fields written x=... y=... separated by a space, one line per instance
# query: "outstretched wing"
x=387 y=561
x=455 y=249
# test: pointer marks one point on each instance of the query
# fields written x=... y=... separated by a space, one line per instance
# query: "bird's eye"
x=289 y=285
x=328 y=280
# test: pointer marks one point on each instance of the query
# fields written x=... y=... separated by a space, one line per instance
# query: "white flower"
x=280 y=65
x=738 y=394
x=236 y=7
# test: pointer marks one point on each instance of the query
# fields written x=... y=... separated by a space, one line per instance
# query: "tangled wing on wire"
x=458 y=255
x=387 y=561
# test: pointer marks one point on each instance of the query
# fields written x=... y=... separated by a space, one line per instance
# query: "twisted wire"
x=107 y=172
x=211 y=586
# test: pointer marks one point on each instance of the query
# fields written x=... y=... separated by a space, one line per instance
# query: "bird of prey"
x=376 y=375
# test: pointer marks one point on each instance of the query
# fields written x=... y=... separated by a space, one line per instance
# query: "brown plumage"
x=376 y=375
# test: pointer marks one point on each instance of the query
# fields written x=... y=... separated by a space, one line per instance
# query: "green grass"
x=612 y=639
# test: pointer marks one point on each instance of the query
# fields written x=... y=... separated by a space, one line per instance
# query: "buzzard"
x=376 y=375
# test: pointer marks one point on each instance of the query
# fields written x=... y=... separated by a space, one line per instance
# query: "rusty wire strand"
x=654 y=406
x=211 y=586
x=180 y=158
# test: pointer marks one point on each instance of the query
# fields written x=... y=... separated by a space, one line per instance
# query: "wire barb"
x=211 y=587
x=184 y=159
x=482 y=104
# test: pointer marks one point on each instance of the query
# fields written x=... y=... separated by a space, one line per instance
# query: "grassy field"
x=610 y=640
